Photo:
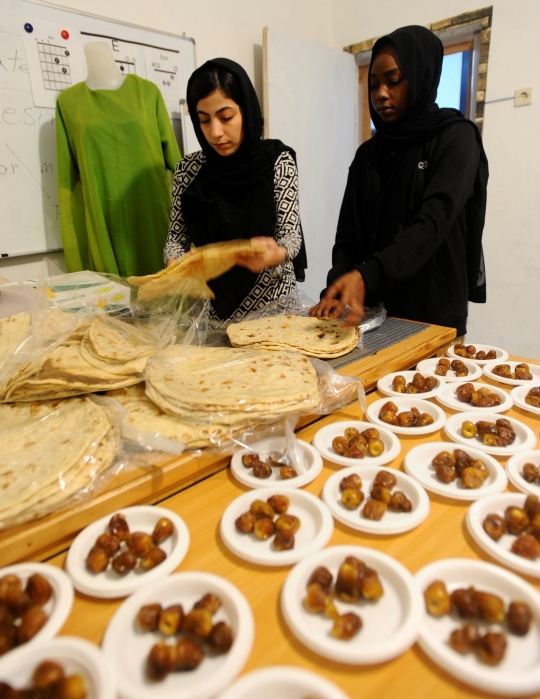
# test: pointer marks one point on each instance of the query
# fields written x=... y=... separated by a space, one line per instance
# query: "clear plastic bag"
x=60 y=352
x=55 y=455
x=180 y=408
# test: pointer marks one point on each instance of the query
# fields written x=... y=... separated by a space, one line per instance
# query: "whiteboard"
x=42 y=53
x=311 y=104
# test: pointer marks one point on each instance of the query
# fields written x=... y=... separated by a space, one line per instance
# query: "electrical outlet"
x=523 y=96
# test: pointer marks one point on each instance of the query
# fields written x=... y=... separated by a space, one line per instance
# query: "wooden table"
x=442 y=535
x=150 y=480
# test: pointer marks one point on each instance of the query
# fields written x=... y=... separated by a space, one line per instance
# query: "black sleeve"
x=348 y=251
x=455 y=165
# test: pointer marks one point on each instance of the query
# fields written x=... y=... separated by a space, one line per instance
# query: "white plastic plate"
x=312 y=458
x=428 y=366
x=499 y=550
x=59 y=605
x=519 y=672
x=283 y=681
x=390 y=625
x=502 y=355
x=533 y=368
x=418 y=465
x=384 y=384
x=326 y=435
x=390 y=522
x=404 y=404
x=525 y=437
x=316 y=528
x=128 y=647
x=449 y=399
x=109 y=584
x=76 y=655
x=514 y=469
x=518 y=395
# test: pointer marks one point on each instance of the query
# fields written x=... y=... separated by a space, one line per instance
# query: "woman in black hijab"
x=237 y=186
x=410 y=226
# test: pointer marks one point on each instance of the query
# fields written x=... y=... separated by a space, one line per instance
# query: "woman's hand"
x=259 y=261
x=170 y=261
x=348 y=290
x=326 y=307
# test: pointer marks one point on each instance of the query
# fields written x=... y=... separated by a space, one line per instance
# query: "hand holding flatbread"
x=188 y=275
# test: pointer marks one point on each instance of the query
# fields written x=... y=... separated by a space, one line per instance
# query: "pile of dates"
x=450 y=466
x=356 y=445
x=49 y=681
x=478 y=607
x=382 y=497
x=469 y=352
x=263 y=469
x=493 y=434
x=127 y=549
x=355 y=581
x=531 y=473
x=479 y=397
x=407 y=418
x=196 y=635
x=270 y=518
x=21 y=609
x=419 y=384
x=522 y=522
x=533 y=397
x=521 y=372
x=456 y=365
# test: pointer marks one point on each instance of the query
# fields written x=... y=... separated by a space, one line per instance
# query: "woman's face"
x=388 y=87
x=221 y=122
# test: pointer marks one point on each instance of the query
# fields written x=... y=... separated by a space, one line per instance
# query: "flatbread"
x=49 y=451
x=315 y=337
x=13 y=330
x=188 y=275
x=116 y=341
x=109 y=354
x=64 y=373
x=145 y=416
x=231 y=386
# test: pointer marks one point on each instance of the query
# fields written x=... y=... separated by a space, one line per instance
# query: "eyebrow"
x=388 y=72
x=200 y=111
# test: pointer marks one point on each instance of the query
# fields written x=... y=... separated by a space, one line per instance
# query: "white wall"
x=511 y=317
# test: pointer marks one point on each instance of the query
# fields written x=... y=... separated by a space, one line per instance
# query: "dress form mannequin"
x=103 y=72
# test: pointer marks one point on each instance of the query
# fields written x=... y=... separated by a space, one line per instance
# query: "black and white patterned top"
x=267 y=287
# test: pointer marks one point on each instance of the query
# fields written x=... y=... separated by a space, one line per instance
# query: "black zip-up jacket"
x=411 y=223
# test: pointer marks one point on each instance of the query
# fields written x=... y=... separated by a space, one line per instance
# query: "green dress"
x=115 y=152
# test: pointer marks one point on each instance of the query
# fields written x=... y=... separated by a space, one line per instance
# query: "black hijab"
x=420 y=56
x=233 y=196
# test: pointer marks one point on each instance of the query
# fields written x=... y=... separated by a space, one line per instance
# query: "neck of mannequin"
x=103 y=72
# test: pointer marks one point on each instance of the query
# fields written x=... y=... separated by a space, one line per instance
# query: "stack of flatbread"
x=231 y=386
x=105 y=354
x=315 y=337
x=188 y=275
x=49 y=452
x=144 y=416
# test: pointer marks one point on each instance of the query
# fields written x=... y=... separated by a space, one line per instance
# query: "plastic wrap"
x=54 y=455
x=374 y=317
x=60 y=352
x=205 y=397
